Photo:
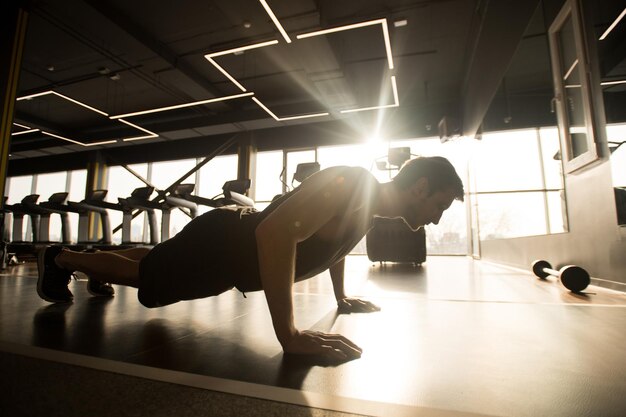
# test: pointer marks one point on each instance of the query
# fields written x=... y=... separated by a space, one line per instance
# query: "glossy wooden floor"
x=454 y=337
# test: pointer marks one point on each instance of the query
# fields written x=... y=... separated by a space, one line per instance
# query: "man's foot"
x=99 y=288
x=95 y=287
x=53 y=280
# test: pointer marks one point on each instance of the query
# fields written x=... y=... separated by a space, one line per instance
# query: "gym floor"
x=454 y=337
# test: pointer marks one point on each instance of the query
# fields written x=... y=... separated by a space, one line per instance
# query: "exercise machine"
x=233 y=194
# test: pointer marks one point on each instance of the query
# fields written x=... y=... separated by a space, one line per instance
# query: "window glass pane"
x=293 y=159
x=449 y=237
x=269 y=165
x=347 y=155
x=363 y=155
x=77 y=193
x=20 y=187
x=78 y=185
x=163 y=175
x=507 y=161
x=121 y=185
x=557 y=211
x=48 y=184
x=551 y=152
x=510 y=215
x=213 y=175
x=616 y=135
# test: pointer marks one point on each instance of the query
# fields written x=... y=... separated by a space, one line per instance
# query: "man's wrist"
x=286 y=335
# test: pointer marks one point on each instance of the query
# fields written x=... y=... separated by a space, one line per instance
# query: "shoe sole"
x=40 y=271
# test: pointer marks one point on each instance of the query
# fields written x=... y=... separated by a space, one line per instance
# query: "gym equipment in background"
x=392 y=240
x=573 y=277
x=233 y=194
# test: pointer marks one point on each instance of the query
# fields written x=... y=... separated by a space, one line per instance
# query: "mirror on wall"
x=517 y=187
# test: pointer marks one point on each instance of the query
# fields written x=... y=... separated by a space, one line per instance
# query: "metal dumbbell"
x=573 y=277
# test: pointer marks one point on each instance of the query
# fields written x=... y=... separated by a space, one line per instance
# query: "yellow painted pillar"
x=97 y=179
x=13 y=22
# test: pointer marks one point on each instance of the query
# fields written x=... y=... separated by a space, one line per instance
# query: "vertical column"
x=13 y=22
x=97 y=179
x=246 y=165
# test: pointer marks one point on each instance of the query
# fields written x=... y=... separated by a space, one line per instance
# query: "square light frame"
x=148 y=134
x=385 y=30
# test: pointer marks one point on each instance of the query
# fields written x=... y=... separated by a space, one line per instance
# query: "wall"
x=594 y=242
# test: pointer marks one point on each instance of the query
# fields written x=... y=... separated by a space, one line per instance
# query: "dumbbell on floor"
x=573 y=277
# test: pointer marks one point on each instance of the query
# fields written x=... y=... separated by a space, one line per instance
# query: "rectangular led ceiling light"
x=23 y=132
x=77 y=142
x=180 y=106
x=210 y=57
x=615 y=22
x=44 y=93
x=275 y=20
x=30 y=97
x=613 y=82
x=382 y=22
x=28 y=129
x=282 y=119
x=239 y=50
x=148 y=136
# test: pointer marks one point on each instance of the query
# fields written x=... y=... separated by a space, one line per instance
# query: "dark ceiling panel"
x=126 y=56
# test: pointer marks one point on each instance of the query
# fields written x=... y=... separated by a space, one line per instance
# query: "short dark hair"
x=439 y=172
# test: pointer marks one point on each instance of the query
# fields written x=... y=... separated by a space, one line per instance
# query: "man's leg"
x=116 y=267
x=99 y=288
x=135 y=254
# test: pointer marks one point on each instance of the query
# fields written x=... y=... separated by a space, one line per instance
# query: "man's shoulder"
x=356 y=171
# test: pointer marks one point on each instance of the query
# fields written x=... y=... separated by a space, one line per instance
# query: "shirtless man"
x=303 y=233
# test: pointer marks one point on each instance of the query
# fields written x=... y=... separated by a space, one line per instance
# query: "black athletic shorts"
x=202 y=260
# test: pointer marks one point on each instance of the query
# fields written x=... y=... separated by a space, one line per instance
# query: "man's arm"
x=344 y=303
x=337 y=277
x=320 y=199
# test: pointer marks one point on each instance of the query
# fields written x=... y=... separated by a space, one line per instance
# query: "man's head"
x=430 y=185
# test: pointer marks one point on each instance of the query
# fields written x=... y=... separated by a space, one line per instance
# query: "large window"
x=45 y=185
x=269 y=166
x=17 y=189
x=162 y=176
x=616 y=136
x=518 y=184
x=77 y=183
x=48 y=184
x=121 y=185
x=213 y=175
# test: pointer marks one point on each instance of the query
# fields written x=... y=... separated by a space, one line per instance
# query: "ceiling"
x=205 y=70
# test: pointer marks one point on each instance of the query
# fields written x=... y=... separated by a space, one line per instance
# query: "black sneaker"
x=99 y=288
x=53 y=280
